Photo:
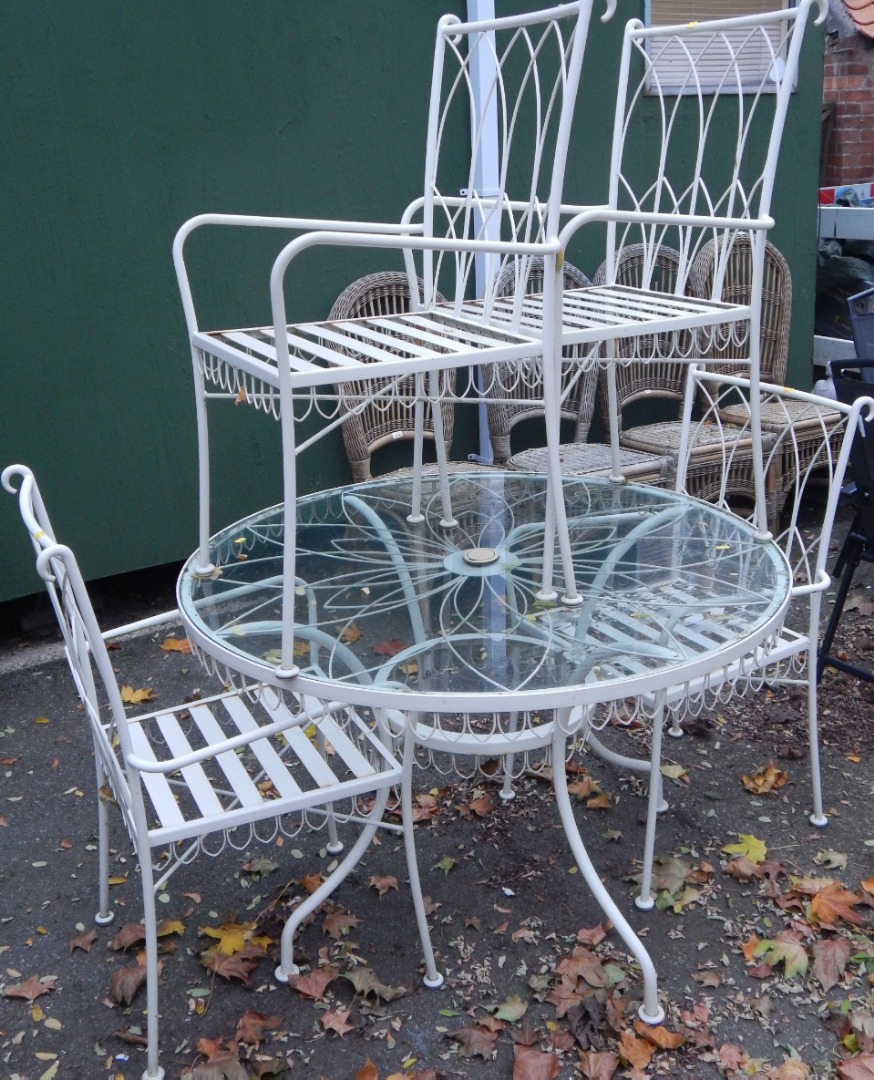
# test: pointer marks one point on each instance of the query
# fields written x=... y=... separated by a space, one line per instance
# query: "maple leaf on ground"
x=234 y=937
x=664 y=1039
x=133 y=1038
x=636 y=1052
x=785 y=949
x=531 y=1064
x=180 y=645
x=366 y=981
x=564 y=998
x=350 y=634
x=513 y=1009
x=239 y=965
x=125 y=983
x=599 y=802
x=766 y=779
x=732 y=1058
x=474 y=1041
x=84 y=941
x=525 y=1034
x=389 y=648
x=338 y=923
x=750 y=846
x=383 y=882
x=742 y=869
x=314 y=984
x=30 y=989
x=134 y=697
x=336 y=1020
x=791 y=1069
x=252 y=1026
x=830 y=958
x=593 y=935
x=367 y=1071
x=598 y=1064
x=832 y=903
x=584 y=787
x=857 y=1068
x=224 y=1065
x=582 y=964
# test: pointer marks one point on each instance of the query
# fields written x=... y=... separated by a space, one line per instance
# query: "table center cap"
x=480 y=556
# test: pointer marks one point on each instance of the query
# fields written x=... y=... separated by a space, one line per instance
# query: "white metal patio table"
x=443 y=629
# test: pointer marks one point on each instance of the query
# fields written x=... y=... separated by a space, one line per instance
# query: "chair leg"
x=105 y=914
x=433 y=979
x=287 y=966
x=507 y=791
x=849 y=558
x=636 y=764
x=334 y=845
x=644 y=899
x=150 y=924
x=650 y=1011
x=817 y=818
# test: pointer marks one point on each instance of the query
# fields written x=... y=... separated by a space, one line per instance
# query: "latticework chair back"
x=579 y=376
x=732 y=256
x=654 y=366
x=374 y=421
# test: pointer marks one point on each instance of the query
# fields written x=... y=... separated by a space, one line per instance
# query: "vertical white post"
x=484 y=135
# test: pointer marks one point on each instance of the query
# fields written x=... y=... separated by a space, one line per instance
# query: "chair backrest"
x=579 y=379
x=655 y=366
x=85 y=648
x=811 y=443
x=511 y=82
x=730 y=81
x=862 y=450
x=737 y=287
x=372 y=421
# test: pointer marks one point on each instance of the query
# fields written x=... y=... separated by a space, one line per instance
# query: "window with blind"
x=755 y=60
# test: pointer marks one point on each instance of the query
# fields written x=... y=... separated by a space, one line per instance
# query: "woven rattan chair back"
x=737 y=266
x=655 y=366
x=579 y=379
x=373 y=421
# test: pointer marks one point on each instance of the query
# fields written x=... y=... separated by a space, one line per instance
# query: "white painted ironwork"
x=242 y=766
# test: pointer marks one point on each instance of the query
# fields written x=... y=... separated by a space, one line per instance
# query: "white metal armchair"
x=239 y=766
x=791 y=656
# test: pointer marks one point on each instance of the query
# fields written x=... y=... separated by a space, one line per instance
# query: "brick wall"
x=848 y=82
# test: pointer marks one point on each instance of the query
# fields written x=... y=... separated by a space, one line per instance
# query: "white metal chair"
x=790 y=658
x=659 y=194
x=239 y=766
x=296 y=371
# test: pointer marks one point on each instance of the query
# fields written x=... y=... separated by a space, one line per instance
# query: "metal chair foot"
x=283 y=976
x=644 y=905
x=435 y=983
x=819 y=820
x=104 y=920
x=658 y=1017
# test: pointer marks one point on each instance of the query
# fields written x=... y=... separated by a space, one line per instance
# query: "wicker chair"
x=736 y=266
x=371 y=422
x=659 y=369
x=578 y=382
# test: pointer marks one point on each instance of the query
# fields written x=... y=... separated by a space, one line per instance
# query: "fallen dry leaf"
x=84 y=941
x=383 y=882
x=180 y=645
x=765 y=779
x=367 y=1071
x=314 y=984
x=830 y=958
x=252 y=1025
x=664 y=1039
x=474 y=1041
x=134 y=697
x=336 y=1020
x=598 y=1064
x=636 y=1052
x=532 y=1064
x=832 y=903
x=125 y=983
x=857 y=1068
x=30 y=989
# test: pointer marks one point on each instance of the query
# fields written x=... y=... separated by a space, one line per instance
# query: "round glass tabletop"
x=671 y=588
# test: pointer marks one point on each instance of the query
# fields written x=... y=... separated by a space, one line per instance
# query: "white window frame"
x=672 y=12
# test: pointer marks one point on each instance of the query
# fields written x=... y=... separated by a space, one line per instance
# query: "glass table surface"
x=386 y=609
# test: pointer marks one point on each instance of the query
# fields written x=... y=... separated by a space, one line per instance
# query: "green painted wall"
x=120 y=122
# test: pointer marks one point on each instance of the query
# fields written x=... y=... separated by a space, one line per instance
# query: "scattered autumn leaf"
x=239 y=965
x=314 y=984
x=366 y=981
x=389 y=648
x=832 y=903
x=830 y=957
x=338 y=923
x=857 y=1068
x=233 y=937
x=532 y=1064
x=474 y=1041
x=180 y=645
x=598 y=1064
x=350 y=634
x=125 y=983
x=766 y=779
x=749 y=846
x=383 y=882
x=786 y=949
x=659 y=1034
x=252 y=1026
x=636 y=1052
x=30 y=989
x=367 y=1071
x=336 y=1020
x=134 y=697
x=513 y=1009
x=84 y=941
x=791 y=1069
